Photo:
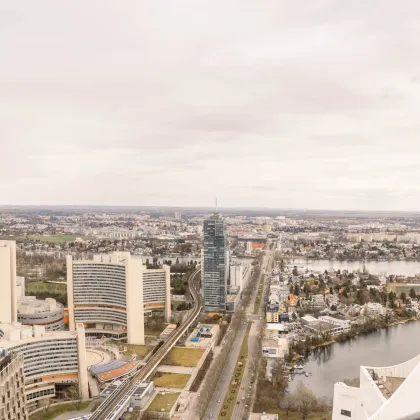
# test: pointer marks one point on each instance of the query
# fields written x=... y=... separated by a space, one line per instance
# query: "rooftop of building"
x=113 y=370
x=30 y=304
x=259 y=416
x=15 y=333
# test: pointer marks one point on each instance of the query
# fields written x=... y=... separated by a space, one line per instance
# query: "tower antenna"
x=216 y=204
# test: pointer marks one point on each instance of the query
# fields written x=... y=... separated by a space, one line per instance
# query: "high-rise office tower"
x=215 y=264
x=8 y=297
x=111 y=293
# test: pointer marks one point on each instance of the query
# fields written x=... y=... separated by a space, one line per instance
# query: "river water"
x=407 y=268
x=340 y=361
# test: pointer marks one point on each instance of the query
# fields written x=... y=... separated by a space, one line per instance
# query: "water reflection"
x=340 y=361
x=407 y=268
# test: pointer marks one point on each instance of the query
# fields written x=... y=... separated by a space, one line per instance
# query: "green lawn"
x=182 y=356
x=171 y=380
x=163 y=401
x=139 y=351
x=155 y=330
x=176 y=303
x=53 y=412
x=55 y=239
x=44 y=287
x=230 y=399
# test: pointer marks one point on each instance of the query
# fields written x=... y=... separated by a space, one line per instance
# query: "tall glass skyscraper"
x=215 y=264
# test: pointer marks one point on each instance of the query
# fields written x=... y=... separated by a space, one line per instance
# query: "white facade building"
x=48 y=313
x=33 y=311
x=236 y=275
x=12 y=388
x=374 y=308
x=8 y=296
x=338 y=326
x=385 y=393
x=49 y=358
x=110 y=294
x=273 y=345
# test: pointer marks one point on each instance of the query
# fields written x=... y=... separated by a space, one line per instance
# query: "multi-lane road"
x=249 y=379
x=111 y=407
x=221 y=388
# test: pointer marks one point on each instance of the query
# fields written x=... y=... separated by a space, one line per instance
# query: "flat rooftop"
x=15 y=333
x=389 y=386
x=114 y=370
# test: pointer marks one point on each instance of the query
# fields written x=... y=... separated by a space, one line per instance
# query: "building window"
x=346 y=413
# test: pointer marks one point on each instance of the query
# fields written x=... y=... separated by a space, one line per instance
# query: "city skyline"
x=270 y=106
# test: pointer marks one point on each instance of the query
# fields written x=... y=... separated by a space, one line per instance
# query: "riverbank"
x=330 y=364
x=346 y=337
x=400 y=268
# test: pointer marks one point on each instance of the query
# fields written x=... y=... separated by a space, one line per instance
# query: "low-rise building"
x=202 y=336
x=373 y=308
x=263 y=416
x=273 y=345
x=338 y=326
x=325 y=323
x=138 y=395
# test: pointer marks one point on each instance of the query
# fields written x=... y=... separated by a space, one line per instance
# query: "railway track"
x=109 y=408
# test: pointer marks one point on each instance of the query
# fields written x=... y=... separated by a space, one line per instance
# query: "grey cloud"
x=293 y=104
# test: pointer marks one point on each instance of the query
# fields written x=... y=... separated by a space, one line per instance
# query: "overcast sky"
x=283 y=103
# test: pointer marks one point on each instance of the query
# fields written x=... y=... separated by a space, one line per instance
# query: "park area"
x=54 y=239
x=137 y=350
x=165 y=402
x=50 y=413
x=182 y=356
x=171 y=380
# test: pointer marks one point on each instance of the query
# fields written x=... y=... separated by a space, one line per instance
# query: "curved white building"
x=48 y=312
x=110 y=294
x=385 y=393
x=50 y=358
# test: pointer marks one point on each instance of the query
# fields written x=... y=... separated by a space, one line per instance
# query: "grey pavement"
x=214 y=407
x=175 y=369
x=247 y=390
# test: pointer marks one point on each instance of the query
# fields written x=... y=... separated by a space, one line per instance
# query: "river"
x=340 y=361
x=407 y=268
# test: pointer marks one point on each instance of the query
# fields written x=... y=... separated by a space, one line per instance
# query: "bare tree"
x=72 y=394
x=287 y=403
x=279 y=377
x=305 y=401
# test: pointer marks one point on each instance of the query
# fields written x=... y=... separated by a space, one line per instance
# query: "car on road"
x=219 y=401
